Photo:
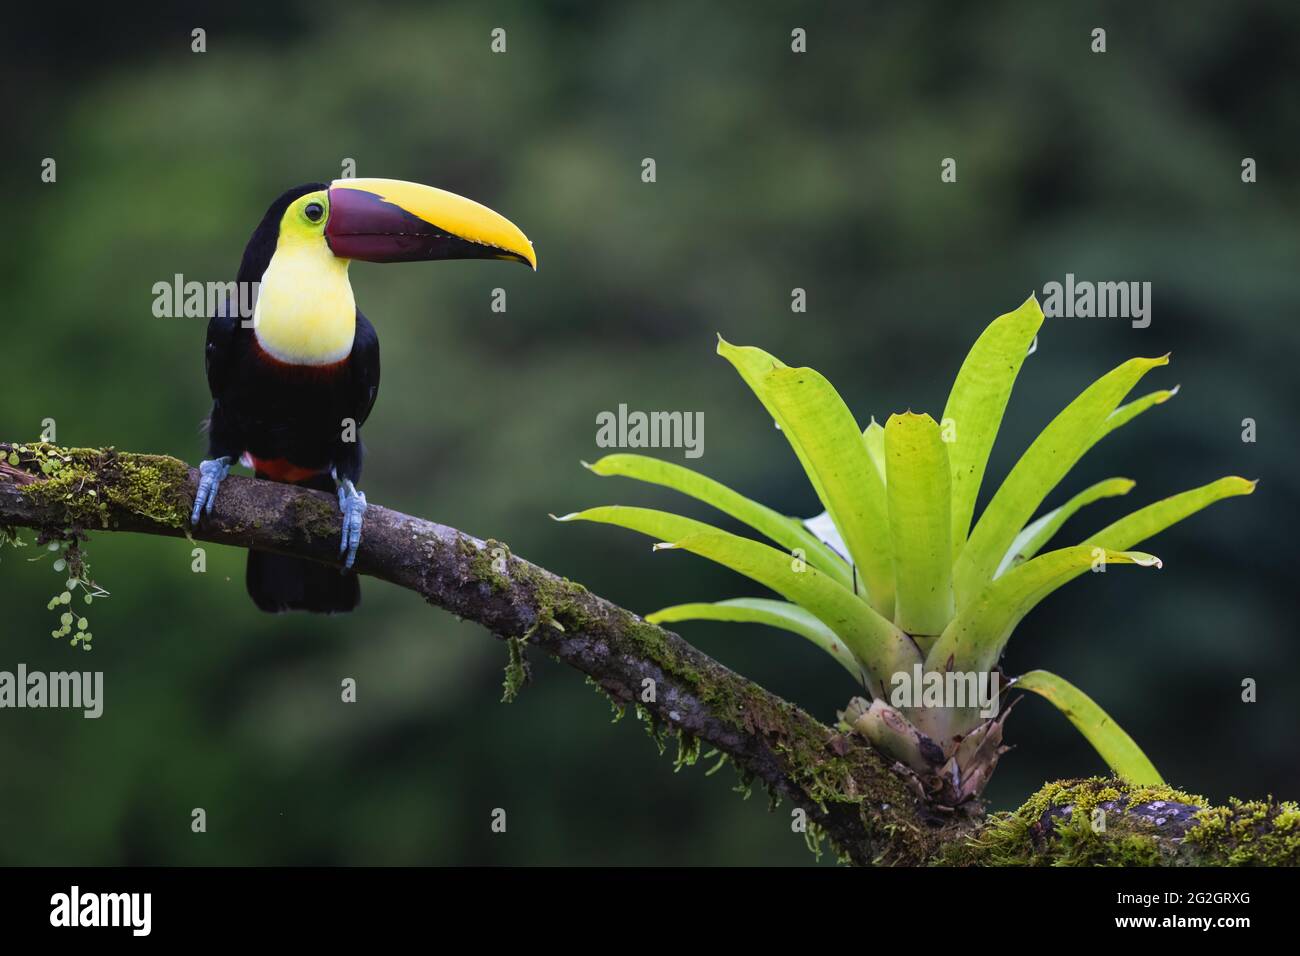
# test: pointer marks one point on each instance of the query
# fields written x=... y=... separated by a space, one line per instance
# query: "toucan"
x=293 y=384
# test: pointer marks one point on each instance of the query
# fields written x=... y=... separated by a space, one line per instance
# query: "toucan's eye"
x=313 y=211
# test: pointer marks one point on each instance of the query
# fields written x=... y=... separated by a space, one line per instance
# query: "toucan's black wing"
x=365 y=367
x=225 y=434
x=220 y=350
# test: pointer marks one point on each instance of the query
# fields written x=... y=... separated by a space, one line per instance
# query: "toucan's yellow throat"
x=305 y=312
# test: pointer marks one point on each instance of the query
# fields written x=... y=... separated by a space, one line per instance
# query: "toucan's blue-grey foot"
x=211 y=473
x=353 y=505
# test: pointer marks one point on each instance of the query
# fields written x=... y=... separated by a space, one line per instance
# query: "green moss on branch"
x=93 y=487
x=1102 y=821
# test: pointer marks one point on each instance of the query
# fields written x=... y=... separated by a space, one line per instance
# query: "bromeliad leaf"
x=1108 y=738
x=874 y=437
x=975 y=638
x=788 y=532
x=1127 y=412
x=1031 y=540
x=919 y=493
x=1154 y=518
x=880 y=647
x=1053 y=453
x=659 y=525
x=977 y=401
x=780 y=614
x=829 y=444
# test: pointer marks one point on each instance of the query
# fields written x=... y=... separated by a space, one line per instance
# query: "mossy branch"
x=850 y=793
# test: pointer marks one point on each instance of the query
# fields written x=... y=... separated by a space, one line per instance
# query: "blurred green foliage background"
x=775 y=171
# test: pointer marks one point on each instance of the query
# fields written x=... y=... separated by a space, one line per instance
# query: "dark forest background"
x=775 y=171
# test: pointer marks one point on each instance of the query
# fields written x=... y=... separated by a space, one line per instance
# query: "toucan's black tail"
x=278 y=583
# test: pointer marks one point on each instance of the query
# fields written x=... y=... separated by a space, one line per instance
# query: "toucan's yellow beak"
x=387 y=220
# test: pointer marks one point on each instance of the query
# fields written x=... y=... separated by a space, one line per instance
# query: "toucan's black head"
x=261 y=245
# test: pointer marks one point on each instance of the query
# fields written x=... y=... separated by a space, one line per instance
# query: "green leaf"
x=1126 y=413
x=1108 y=738
x=919 y=494
x=660 y=525
x=785 y=531
x=874 y=438
x=1053 y=453
x=1031 y=540
x=1154 y=518
x=829 y=445
x=780 y=614
x=975 y=638
x=880 y=647
x=976 y=404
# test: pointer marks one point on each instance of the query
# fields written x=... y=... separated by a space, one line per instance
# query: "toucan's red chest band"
x=281 y=469
x=299 y=373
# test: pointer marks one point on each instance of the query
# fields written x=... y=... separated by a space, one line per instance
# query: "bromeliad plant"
x=892 y=579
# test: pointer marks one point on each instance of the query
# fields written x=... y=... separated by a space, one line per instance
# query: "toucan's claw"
x=211 y=473
x=353 y=505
